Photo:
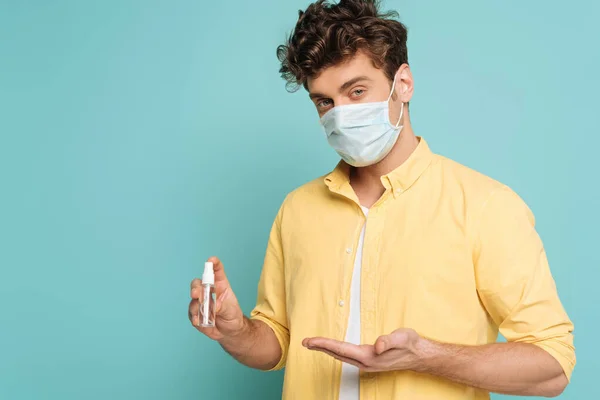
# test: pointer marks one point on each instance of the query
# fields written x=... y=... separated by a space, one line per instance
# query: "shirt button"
x=398 y=191
x=341 y=303
x=348 y=250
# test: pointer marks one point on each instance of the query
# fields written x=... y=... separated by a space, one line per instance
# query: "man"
x=391 y=277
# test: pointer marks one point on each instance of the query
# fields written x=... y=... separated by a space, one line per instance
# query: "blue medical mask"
x=362 y=133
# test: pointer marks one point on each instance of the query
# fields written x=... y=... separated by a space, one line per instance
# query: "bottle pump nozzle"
x=208 y=277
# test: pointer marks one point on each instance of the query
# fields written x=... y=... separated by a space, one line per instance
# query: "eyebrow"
x=344 y=86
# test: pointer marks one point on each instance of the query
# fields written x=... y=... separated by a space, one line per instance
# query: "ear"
x=404 y=83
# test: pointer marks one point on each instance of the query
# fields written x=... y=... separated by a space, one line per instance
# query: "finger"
x=343 y=349
x=324 y=343
x=197 y=291
x=321 y=342
x=196 y=288
x=193 y=310
x=347 y=360
x=218 y=269
x=194 y=318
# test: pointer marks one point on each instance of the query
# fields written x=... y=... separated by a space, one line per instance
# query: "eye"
x=324 y=103
x=357 y=93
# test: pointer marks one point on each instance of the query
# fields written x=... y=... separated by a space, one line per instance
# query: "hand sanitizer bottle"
x=207 y=301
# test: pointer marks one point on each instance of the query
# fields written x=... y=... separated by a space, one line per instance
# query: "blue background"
x=138 y=138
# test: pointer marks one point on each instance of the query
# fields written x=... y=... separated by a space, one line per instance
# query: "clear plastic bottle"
x=208 y=300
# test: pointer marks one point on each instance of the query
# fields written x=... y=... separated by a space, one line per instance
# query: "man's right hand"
x=229 y=320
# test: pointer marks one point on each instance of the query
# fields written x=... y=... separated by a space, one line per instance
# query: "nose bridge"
x=341 y=99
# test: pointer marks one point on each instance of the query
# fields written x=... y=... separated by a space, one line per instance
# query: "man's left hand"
x=396 y=351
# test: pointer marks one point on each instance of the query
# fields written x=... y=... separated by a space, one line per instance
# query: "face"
x=359 y=81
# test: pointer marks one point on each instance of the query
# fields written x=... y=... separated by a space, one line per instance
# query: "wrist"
x=234 y=335
x=426 y=355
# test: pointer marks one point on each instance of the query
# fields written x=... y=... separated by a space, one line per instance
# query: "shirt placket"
x=343 y=302
x=371 y=251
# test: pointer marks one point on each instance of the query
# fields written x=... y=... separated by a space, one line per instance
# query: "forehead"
x=331 y=78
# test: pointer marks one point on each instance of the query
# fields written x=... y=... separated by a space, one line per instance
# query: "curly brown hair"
x=327 y=34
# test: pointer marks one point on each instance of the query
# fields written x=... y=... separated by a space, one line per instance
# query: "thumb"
x=227 y=307
x=395 y=340
x=382 y=344
x=219 y=271
x=219 y=307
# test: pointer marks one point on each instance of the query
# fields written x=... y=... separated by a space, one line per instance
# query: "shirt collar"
x=398 y=180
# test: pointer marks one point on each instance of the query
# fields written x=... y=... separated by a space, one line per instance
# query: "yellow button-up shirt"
x=447 y=252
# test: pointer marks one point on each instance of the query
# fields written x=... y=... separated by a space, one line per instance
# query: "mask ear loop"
x=401 y=107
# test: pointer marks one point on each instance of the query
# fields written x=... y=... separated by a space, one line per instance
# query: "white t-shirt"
x=349 y=383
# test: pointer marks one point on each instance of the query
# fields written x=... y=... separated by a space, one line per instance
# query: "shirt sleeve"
x=270 y=304
x=514 y=279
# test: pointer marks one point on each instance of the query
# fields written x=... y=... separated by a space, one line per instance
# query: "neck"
x=369 y=178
